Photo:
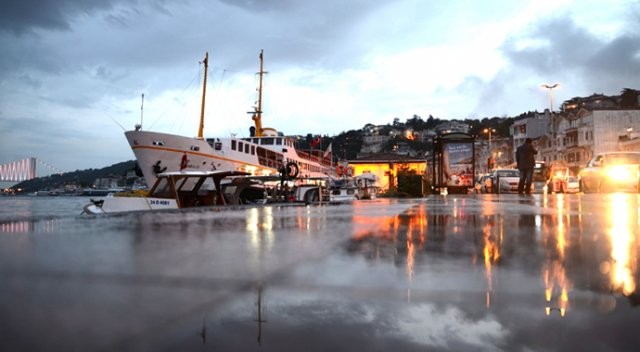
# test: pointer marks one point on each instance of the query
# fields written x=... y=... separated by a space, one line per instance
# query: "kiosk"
x=453 y=166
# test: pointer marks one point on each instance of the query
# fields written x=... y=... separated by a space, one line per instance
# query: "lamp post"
x=553 y=129
x=489 y=131
x=491 y=160
x=550 y=88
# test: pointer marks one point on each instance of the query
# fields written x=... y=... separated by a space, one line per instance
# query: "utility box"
x=453 y=166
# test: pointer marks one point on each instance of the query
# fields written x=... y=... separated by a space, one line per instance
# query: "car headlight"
x=620 y=173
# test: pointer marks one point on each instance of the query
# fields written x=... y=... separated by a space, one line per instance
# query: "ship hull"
x=162 y=152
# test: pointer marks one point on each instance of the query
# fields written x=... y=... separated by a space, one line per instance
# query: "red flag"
x=183 y=162
x=316 y=142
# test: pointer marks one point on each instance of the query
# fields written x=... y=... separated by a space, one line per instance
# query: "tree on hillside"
x=629 y=98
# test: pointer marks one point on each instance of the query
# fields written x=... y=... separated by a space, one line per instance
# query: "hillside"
x=82 y=178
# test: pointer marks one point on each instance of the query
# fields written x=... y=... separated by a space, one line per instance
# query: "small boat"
x=185 y=189
x=343 y=190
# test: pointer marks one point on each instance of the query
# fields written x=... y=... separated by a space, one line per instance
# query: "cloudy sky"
x=72 y=72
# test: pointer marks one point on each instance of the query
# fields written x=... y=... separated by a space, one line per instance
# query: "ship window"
x=162 y=189
x=158 y=142
x=207 y=186
x=233 y=145
x=188 y=184
x=278 y=141
x=217 y=146
x=195 y=148
x=268 y=141
x=246 y=148
x=253 y=150
x=240 y=146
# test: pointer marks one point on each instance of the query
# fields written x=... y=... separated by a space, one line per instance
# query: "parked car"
x=570 y=184
x=611 y=171
x=540 y=177
x=505 y=180
x=558 y=179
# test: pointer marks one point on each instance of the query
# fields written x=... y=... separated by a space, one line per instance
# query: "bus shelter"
x=453 y=166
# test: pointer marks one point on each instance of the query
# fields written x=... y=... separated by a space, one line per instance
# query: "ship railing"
x=313 y=157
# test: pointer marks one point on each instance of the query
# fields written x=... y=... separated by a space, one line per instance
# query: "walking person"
x=526 y=161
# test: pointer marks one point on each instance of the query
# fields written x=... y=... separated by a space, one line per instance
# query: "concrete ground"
x=446 y=273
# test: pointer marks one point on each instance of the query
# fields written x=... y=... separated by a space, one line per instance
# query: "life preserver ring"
x=292 y=170
x=340 y=170
x=289 y=171
x=183 y=162
x=349 y=171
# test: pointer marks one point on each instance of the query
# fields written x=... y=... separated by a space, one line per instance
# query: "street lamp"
x=550 y=88
x=490 y=162
x=489 y=131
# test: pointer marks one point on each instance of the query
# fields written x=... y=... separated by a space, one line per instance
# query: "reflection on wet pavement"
x=545 y=272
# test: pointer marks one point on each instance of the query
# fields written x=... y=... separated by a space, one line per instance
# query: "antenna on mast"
x=139 y=126
x=257 y=113
x=204 y=92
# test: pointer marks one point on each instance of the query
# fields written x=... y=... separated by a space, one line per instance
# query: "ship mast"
x=257 y=115
x=204 y=92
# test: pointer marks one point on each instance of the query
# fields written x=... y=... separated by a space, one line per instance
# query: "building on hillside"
x=452 y=126
x=592 y=102
x=630 y=141
x=425 y=136
x=386 y=167
x=530 y=127
x=108 y=182
x=373 y=143
x=609 y=125
x=581 y=133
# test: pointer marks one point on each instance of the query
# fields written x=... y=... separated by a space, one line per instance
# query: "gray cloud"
x=620 y=57
x=561 y=45
x=606 y=64
x=559 y=50
x=21 y=16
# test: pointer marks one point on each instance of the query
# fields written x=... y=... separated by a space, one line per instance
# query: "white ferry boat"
x=266 y=152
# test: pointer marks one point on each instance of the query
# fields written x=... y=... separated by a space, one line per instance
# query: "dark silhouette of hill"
x=82 y=178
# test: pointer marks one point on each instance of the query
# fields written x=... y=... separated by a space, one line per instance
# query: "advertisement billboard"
x=457 y=163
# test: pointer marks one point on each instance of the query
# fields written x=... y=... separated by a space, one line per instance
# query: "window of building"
x=522 y=129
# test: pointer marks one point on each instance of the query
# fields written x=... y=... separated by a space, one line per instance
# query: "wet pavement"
x=443 y=273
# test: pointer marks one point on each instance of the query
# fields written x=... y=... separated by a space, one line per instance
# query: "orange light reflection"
x=622 y=237
x=554 y=274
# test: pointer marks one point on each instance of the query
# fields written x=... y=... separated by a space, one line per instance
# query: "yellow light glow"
x=491 y=254
x=622 y=249
x=619 y=173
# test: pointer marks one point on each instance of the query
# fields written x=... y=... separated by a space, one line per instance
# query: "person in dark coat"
x=526 y=161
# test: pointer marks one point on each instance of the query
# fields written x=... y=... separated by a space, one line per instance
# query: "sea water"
x=21 y=208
